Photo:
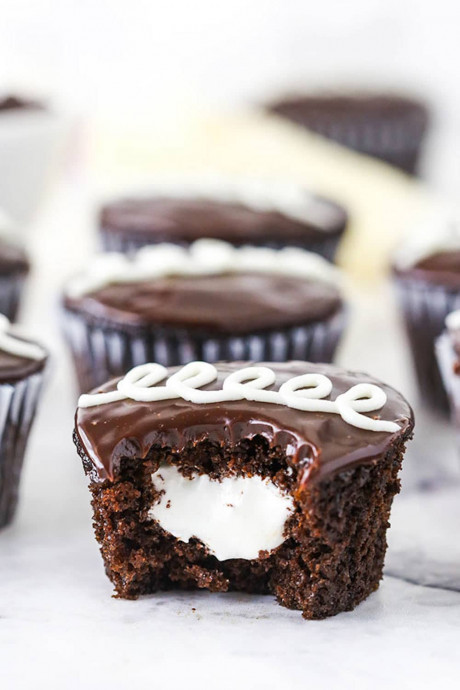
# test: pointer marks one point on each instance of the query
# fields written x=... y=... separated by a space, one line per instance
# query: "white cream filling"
x=235 y=518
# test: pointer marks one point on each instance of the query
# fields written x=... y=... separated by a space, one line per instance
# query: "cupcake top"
x=325 y=418
x=245 y=211
x=210 y=286
x=433 y=255
x=19 y=357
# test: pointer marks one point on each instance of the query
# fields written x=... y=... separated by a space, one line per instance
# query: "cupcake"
x=22 y=364
x=427 y=274
x=267 y=478
x=384 y=126
x=246 y=211
x=14 y=267
x=208 y=301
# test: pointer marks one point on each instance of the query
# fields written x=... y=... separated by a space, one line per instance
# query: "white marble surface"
x=60 y=628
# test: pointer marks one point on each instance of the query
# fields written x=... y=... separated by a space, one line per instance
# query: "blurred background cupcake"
x=238 y=210
x=387 y=126
x=427 y=275
x=22 y=364
x=209 y=302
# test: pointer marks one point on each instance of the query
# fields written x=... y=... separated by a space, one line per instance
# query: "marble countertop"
x=60 y=628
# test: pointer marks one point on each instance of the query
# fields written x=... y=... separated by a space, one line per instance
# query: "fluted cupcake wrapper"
x=10 y=293
x=18 y=403
x=397 y=142
x=118 y=242
x=102 y=351
x=425 y=307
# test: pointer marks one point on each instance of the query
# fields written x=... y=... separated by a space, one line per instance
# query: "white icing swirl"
x=439 y=232
x=290 y=199
x=306 y=392
x=14 y=346
x=203 y=257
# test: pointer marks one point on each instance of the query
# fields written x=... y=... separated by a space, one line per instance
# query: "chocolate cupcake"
x=384 y=126
x=14 y=267
x=208 y=301
x=241 y=212
x=268 y=478
x=22 y=364
x=427 y=274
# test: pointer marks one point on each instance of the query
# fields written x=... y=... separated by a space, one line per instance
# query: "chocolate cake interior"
x=332 y=556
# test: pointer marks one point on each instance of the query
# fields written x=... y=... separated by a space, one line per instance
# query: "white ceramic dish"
x=30 y=144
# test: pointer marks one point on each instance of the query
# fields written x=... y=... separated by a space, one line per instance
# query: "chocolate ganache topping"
x=318 y=443
x=163 y=219
x=441 y=267
x=19 y=357
x=221 y=304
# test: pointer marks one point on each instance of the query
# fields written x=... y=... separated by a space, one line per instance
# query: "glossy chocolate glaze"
x=13 y=368
x=317 y=443
x=441 y=268
x=185 y=220
x=13 y=259
x=224 y=304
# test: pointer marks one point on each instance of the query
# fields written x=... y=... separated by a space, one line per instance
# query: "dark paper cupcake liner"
x=127 y=244
x=18 y=403
x=396 y=144
x=397 y=140
x=102 y=351
x=425 y=307
x=10 y=293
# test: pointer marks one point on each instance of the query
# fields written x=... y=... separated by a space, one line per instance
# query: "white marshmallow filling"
x=236 y=517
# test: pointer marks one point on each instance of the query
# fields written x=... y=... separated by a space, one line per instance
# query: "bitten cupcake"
x=209 y=301
x=238 y=211
x=384 y=126
x=22 y=364
x=427 y=274
x=267 y=478
x=14 y=267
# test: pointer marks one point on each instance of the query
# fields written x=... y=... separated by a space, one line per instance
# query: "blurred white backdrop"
x=124 y=59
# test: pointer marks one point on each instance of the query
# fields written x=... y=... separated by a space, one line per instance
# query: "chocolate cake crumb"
x=332 y=557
